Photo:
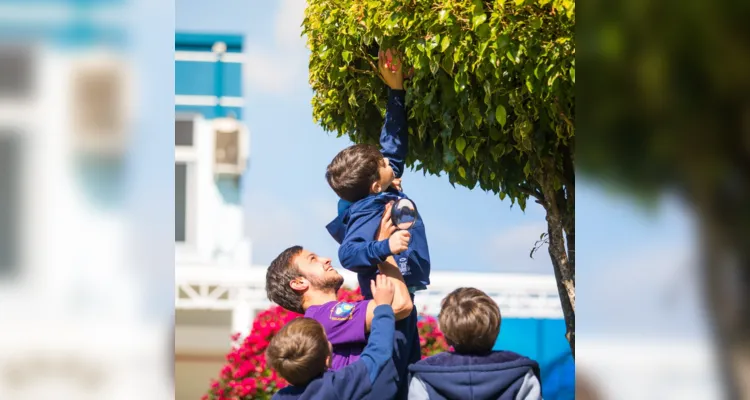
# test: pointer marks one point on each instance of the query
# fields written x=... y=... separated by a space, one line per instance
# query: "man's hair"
x=299 y=351
x=353 y=170
x=470 y=321
x=282 y=271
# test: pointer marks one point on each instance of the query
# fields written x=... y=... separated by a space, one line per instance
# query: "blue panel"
x=200 y=78
x=202 y=41
x=73 y=35
x=519 y=335
x=209 y=112
x=194 y=78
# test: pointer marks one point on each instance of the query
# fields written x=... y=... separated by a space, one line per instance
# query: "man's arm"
x=402 y=304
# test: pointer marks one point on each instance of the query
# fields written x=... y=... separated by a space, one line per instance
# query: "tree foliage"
x=491 y=99
x=491 y=102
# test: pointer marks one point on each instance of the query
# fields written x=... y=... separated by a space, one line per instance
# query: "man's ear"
x=299 y=284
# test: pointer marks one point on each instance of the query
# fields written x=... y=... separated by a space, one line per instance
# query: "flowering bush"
x=246 y=374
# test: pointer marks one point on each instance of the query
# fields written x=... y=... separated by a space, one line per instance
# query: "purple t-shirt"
x=344 y=324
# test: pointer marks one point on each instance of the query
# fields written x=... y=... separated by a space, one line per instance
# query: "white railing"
x=228 y=287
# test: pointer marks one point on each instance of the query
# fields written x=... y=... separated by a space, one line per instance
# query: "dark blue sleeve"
x=394 y=137
x=359 y=252
x=379 y=347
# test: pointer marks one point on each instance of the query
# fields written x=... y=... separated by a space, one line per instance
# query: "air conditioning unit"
x=100 y=105
x=231 y=140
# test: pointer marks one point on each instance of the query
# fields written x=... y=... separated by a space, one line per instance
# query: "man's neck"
x=316 y=298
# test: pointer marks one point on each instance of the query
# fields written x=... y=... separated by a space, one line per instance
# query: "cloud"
x=279 y=66
x=509 y=249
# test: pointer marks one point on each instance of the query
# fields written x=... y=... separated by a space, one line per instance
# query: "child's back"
x=363 y=177
x=470 y=321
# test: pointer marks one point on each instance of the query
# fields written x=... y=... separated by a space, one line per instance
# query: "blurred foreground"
x=86 y=242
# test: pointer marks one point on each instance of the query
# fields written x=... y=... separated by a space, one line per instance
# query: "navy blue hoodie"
x=373 y=376
x=355 y=226
x=498 y=375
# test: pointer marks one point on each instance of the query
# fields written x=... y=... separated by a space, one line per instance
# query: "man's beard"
x=327 y=284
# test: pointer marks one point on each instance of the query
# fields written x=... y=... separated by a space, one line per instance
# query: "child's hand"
x=389 y=64
x=397 y=184
x=382 y=292
x=386 y=228
x=399 y=242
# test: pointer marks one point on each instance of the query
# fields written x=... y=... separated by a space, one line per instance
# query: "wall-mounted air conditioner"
x=230 y=146
x=100 y=105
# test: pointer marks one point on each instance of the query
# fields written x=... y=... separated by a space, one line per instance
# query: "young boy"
x=470 y=321
x=301 y=354
x=366 y=180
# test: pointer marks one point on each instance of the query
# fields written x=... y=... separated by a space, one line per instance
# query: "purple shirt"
x=344 y=324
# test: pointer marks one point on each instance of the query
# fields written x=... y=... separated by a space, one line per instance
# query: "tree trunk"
x=564 y=274
x=726 y=278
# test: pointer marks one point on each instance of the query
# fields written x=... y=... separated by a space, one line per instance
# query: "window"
x=17 y=72
x=180 y=202
x=10 y=192
x=183 y=132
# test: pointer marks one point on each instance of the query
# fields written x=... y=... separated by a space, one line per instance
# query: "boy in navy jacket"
x=301 y=354
x=365 y=180
x=470 y=321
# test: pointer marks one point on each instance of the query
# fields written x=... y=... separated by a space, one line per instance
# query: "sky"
x=638 y=260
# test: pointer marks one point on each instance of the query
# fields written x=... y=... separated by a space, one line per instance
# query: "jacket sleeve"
x=349 y=382
x=531 y=388
x=394 y=137
x=417 y=390
x=379 y=347
x=359 y=252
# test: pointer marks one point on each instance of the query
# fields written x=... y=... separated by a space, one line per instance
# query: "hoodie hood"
x=497 y=375
x=375 y=202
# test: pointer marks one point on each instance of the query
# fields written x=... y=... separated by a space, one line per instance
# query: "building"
x=217 y=288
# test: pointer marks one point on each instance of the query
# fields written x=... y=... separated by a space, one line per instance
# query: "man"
x=303 y=282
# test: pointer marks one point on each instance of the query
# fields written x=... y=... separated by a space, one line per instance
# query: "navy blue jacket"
x=361 y=379
x=355 y=226
x=498 y=375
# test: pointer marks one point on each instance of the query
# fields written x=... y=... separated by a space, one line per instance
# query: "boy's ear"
x=375 y=187
x=299 y=284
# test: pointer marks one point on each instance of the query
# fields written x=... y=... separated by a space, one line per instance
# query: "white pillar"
x=242 y=315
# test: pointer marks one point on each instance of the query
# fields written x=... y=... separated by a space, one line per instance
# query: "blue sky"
x=288 y=201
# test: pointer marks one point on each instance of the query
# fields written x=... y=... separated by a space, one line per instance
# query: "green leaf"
x=503 y=41
x=347 y=55
x=462 y=172
x=442 y=15
x=527 y=169
x=519 y=2
x=573 y=74
x=445 y=43
x=501 y=115
x=460 y=145
x=478 y=20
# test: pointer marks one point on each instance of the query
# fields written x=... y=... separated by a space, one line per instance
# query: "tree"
x=247 y=375
x=666 y=111
x=491 y=102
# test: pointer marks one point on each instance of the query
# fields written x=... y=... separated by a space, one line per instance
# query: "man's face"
x=319 y=271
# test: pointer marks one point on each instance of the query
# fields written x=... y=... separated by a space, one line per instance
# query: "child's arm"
x=394 y=139
x=359 y=252
x=379 y=349
x=402 y=304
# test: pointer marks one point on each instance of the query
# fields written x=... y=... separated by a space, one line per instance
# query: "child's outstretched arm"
x=394 y=138
x=379 y=349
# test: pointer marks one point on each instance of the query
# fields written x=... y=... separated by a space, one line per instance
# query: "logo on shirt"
x=404 y=266
x=342 y=311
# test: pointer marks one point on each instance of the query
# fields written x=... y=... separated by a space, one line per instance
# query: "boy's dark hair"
x=470 y=321
x=282 y=271
x=299 y=352
x=353 y=170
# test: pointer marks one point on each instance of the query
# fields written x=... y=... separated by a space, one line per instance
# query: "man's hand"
x=382 y=292
x=389 y=64
x=399 y=242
